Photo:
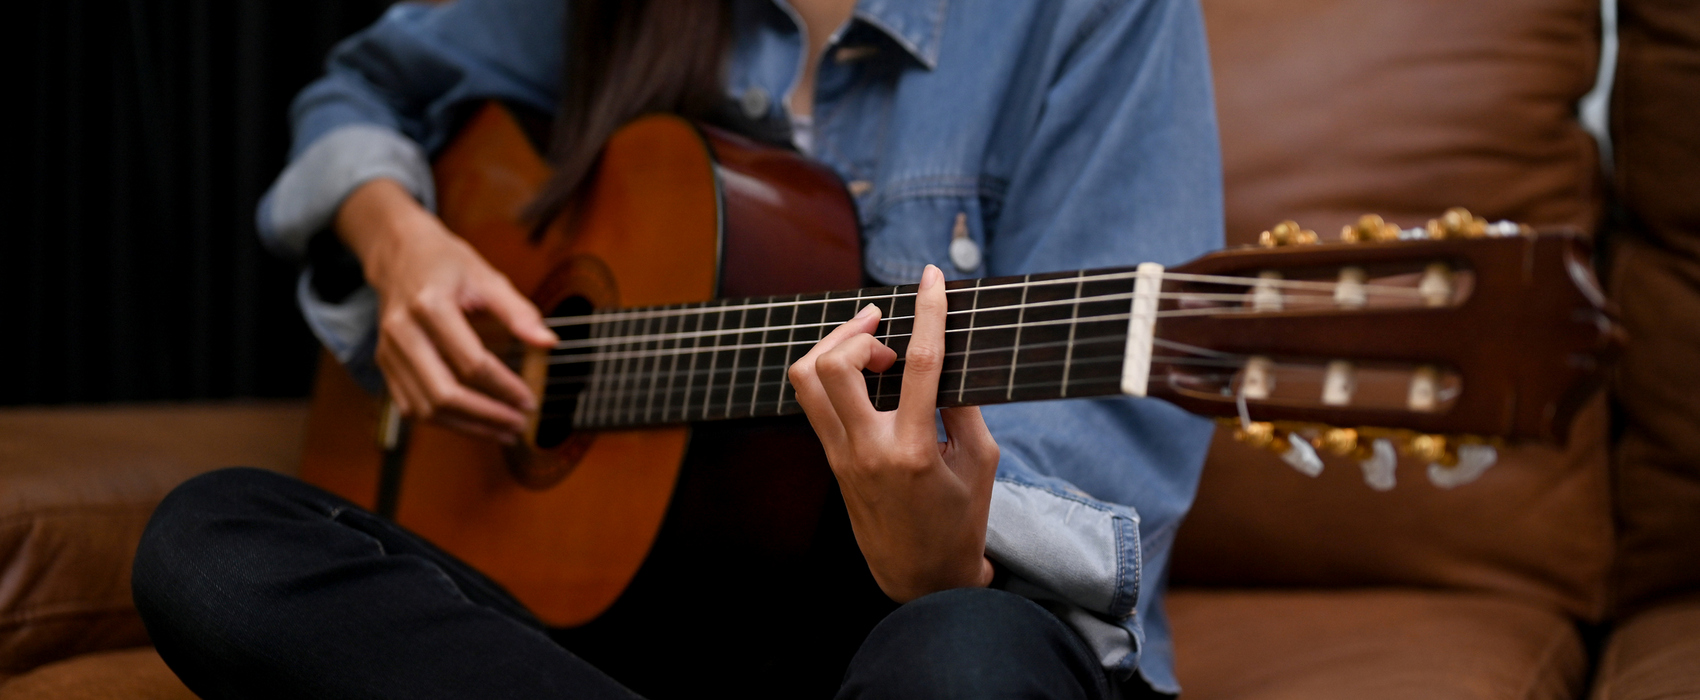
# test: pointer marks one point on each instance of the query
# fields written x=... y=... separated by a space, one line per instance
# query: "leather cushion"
x=1537 y=525
x=1652 y=655
x=1656 y=282
x=1333 y=108
x=1386 y=644
x=77 y=486
x=128 y=674
x=1656 y=119
x=1657 y=479
x=1330 y=109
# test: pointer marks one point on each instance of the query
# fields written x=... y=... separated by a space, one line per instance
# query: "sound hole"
x=569 y=370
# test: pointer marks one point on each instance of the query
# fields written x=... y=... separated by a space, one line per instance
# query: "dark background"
x=141 y=134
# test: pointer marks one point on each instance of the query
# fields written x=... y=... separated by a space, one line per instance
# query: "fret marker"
x=1141 y=329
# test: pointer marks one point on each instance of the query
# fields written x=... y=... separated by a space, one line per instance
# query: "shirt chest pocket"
x=950 y=229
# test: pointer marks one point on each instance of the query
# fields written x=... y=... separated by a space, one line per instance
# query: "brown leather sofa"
x=1561 y=573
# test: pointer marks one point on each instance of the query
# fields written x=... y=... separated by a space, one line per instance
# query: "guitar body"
x=674 y=214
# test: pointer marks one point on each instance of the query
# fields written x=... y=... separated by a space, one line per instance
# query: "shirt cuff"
x=348 y=329
x=1079 y=556
x=307 y=195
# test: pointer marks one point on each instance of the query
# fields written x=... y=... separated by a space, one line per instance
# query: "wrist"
x=375 y=220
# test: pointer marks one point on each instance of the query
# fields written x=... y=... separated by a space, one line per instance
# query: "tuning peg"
x=1457 y=222
x=1287 y=233
x=1430 y=448
x=1255 y=434
x=1468 y=465
x=1340 y=441
x=1370 y=228
x=1297 y=453
x=1380 y=465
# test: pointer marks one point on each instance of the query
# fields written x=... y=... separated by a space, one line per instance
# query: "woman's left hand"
x=918 y=506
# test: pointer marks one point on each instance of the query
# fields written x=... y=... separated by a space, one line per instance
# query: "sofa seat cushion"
x=77 y=486
x=1655 y=654
x=127 y=674
x=1375 y=643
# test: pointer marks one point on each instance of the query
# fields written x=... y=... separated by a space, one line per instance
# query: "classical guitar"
x=695 y=269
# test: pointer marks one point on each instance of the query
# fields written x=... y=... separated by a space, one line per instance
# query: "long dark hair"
x=624 y=59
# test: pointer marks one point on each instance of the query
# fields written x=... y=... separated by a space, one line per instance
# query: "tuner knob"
x=1287 y=233
x=1431 y=448
x=1369 y=229
x=1256 y=434
x=1457 y=222
x=1340 y=441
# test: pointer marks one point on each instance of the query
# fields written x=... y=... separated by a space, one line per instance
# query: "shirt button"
x=964 y=252
x=859 y=187
x=754 y=102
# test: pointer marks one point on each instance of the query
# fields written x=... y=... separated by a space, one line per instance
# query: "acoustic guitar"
x=697 y=267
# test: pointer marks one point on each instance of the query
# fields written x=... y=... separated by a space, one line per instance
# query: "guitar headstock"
x=1459 y=333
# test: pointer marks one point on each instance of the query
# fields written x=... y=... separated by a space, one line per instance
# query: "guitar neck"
x=1050 y=336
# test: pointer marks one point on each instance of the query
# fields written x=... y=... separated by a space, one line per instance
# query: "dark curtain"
x=143 y=132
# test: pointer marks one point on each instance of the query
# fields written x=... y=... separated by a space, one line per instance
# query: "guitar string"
x=611 y=355
x=1309 y=301
x=1329 y=287
x=872 y=396
x=760 y=383
x=628 y=417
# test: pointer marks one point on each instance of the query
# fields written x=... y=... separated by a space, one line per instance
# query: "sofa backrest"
x=1656 y=281
x=1331 y=109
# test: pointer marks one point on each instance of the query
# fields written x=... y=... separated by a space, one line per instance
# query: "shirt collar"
x=916 y=25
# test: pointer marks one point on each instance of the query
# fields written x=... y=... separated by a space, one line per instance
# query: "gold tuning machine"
x=1287 y=233
x=1341 y=441
x=1370 y=228
x=1255 y=434
x=1434 y=449
x=1457 y=222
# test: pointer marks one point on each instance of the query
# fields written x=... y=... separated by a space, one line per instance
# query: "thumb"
x=976 y=450
x=519 y=315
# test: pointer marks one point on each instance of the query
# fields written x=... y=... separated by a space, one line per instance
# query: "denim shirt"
x=1067 y=134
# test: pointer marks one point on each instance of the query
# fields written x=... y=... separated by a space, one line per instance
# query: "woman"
x=985 y=138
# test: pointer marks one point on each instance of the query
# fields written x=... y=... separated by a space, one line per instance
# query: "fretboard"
x=1049 y=336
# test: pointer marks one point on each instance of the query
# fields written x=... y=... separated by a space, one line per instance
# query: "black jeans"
x=255 y=585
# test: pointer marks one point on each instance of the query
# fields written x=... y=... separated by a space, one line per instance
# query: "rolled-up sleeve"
x=1123 y=167
x=390 y=97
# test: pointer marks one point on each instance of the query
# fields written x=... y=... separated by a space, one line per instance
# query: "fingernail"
x=867 y=311
x=930 y=277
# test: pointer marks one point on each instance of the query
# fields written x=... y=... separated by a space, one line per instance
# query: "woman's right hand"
x=428 y=280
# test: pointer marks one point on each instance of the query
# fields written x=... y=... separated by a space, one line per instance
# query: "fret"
x=611 y=383
x=713 y=362
x=898 y=329
x=696 y=353
x=654 y=368
x=584 y=411
x=886 y=315
x=1074 y=315
x=634 y=374
x=967 y=343
x=737 y=355
x=785 y=372
x=1045 y=332
x=673 y=362
x=1015 y=350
